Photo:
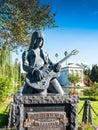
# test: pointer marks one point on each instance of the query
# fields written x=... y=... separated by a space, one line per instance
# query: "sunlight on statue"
x=41 y=72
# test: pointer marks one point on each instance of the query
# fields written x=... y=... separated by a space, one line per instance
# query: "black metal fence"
x=87 y=112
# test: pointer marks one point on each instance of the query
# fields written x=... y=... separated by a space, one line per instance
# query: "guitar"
x=48 y=73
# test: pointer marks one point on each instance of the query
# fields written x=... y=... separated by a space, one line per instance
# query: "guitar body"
x=48 y=73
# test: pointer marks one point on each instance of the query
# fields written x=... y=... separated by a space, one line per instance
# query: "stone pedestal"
x=51 y=112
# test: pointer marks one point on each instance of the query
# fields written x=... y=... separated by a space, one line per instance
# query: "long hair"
x=35 y=35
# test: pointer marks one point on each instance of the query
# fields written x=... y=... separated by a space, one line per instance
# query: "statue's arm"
x=56 y=67
x=25 y=63
x=48 y=60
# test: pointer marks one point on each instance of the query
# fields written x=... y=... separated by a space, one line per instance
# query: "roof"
x=73 y=65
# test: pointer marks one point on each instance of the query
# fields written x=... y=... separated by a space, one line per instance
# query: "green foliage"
x=94 y=73
x=3 y=120
x=5 y=88
x=96 y=85
x=87 y=72
x=20 y=17
x=91 y=98
x=73 y=91
x=4 y=113
x=84 y=126
x=10 y=75
x=92 y=91
x=74 y=78
x=65 y=53
x=86 y=92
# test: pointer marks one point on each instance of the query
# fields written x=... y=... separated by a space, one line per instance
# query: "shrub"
x=5 y=88
x=3 y=120
x=84 y=126
x=96 y=85
x=93 y=91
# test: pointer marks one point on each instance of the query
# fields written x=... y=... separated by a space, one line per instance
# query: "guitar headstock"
x=74 y=52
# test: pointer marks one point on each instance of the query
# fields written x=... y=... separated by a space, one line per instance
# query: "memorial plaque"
x=46 y=120
x=49 y=112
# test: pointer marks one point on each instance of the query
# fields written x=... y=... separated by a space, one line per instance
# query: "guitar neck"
x=65 y=58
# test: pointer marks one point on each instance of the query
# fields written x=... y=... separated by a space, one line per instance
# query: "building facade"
x=71 y=68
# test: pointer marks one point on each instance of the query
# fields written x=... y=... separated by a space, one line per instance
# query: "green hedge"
x=92 y=91
x=5 y=88
x=3 y=120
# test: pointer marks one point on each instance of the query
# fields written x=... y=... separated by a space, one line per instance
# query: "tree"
x=56 y=55
x=66 y=53
x=87 y=73
x=94 y=73
x=18 y=18
x=5 y=61
x=74 y=78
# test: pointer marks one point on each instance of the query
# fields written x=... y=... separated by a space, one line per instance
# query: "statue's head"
x=37 y=38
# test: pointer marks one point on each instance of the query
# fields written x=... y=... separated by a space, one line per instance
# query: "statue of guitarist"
x=34 y=59
x=41 y=72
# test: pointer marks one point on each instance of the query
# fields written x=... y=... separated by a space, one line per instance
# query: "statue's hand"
x=38 y=74
x=57 y=67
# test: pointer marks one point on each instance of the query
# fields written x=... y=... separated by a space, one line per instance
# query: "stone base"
x=37 y=112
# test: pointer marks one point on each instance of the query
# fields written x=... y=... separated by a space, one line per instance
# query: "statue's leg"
x=28 y=90
x=44 y=92
x=55 y=87
x=25 y=89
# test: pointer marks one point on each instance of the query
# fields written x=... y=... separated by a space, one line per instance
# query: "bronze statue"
x=41 y=72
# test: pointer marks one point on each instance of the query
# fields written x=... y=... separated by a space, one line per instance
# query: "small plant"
x=85 y=126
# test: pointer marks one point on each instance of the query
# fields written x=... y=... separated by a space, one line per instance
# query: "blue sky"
x=78 y=29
